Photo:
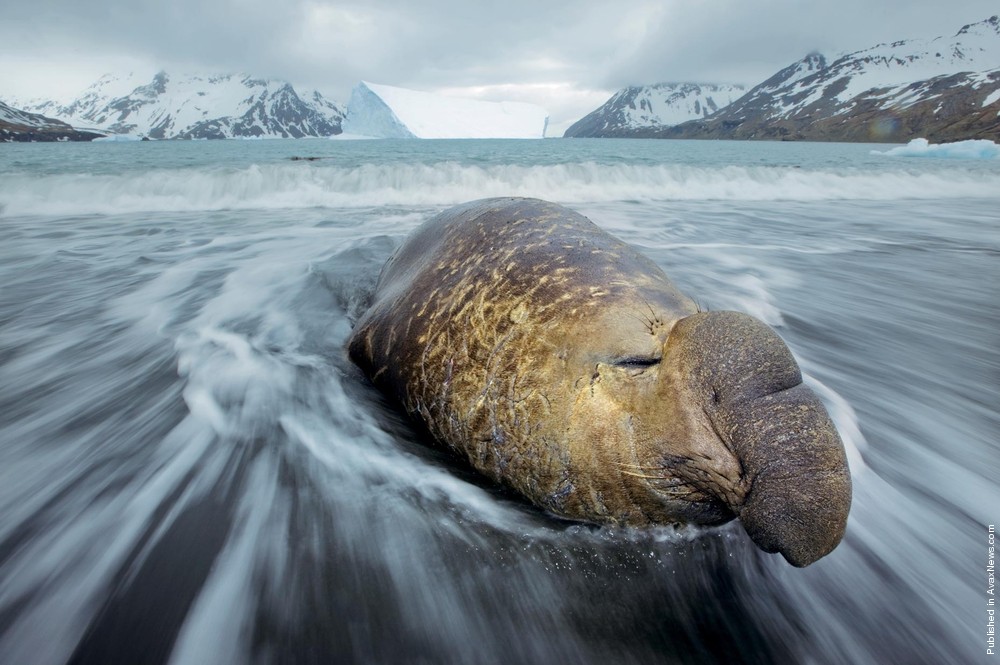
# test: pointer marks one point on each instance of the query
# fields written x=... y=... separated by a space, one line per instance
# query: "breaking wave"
x=296 y=185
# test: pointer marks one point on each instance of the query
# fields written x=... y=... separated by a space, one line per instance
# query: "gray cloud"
x=566 y=55
x=743 y=42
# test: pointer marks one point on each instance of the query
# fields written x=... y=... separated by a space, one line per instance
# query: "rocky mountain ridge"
x=18 y=125
x=635 y=109
x=196 y=107
x=943 y=89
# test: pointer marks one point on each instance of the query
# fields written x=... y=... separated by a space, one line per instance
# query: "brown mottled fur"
x=540 y=347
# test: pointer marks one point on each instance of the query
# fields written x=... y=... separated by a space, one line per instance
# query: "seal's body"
x=565 y=364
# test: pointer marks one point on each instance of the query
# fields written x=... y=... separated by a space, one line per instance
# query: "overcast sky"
x=568 y=56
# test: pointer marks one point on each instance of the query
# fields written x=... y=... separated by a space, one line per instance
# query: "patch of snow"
x=973 y=149
x=8 y=114
x=992 y=97
x=788 y=110
x=974 y=48
x=16 y=116
x=905 y=96
x=978 y=79
x=389 y=112
x=806 y=67
x=669 y=104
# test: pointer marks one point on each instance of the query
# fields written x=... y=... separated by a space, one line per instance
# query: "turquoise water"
x=191 y=471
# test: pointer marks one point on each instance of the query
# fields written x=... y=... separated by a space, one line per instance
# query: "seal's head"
x=713 y=422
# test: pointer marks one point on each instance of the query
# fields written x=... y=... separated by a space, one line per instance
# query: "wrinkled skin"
x=564 y=364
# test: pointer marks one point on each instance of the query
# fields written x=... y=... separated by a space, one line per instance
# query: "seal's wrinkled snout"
x=793 y=461
x=800 y=490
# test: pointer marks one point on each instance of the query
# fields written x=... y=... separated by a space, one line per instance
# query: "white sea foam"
x=846 y=420
x=281 y=186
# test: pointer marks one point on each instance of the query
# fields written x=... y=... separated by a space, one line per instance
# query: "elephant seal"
x=564 y=364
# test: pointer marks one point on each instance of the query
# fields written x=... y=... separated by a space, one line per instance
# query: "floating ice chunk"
x=973 y=149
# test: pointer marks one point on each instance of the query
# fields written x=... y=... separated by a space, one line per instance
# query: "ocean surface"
x=192 y=472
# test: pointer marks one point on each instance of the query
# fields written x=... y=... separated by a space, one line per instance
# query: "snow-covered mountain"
x=227 y=106
x=634 y=110
x=384 y=111
x=18 y=125
x=947 y=88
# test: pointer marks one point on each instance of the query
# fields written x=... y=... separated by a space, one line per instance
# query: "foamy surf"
x=307 y=185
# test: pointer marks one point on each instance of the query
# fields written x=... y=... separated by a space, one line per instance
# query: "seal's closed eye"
x=637 y=362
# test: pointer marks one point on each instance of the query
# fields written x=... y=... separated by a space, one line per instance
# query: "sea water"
x=191 y=471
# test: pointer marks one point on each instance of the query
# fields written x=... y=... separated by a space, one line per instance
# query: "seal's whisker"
x=641 y=318
x=642 y=475
x=652 y=312
x=639 y=466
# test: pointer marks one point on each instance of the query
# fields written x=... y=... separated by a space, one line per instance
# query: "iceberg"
x=972 y=149
x=383 y=111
